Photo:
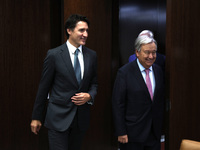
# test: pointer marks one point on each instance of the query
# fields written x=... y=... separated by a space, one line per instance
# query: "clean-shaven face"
x=147 y=54
x=79 y=34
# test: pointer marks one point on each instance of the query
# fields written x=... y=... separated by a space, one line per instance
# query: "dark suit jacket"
x=58 y=76
x=134 y=112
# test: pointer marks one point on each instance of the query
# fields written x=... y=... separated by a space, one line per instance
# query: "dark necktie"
x=148 y=83
x=77 y=68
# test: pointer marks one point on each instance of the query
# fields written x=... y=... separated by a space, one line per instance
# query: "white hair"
x=143 y=39
x=147 y=33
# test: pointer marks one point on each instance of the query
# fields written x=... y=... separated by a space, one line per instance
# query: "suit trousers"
x=71 y=139
x=150 y=144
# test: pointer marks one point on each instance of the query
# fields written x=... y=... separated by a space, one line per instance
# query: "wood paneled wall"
x=24 y=40
x=182 y=50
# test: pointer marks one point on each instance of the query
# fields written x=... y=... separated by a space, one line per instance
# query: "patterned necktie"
x=148 y=83
x=77 y=68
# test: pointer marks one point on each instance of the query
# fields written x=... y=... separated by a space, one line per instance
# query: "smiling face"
x=79 y=34
x=147 y=54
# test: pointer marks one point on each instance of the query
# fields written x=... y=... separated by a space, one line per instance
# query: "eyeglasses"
x=149 y=52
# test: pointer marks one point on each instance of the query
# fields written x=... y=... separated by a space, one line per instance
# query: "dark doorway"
x=135 y=16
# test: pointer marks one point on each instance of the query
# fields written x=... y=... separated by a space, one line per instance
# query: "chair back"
x=190 y=145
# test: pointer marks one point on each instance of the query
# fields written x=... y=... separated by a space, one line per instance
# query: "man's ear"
x=69 y=31
x=136 y=52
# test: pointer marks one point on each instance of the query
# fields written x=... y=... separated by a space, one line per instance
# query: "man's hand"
x=80 y=98
x=35 y=126
x=123 y=139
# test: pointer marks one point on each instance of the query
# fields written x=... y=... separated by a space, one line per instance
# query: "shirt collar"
x=72 y=48
x=141 y=67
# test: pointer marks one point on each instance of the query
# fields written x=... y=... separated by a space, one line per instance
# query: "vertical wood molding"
x=183 y=53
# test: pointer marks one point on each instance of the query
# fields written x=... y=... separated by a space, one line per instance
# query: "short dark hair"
x=72 y=21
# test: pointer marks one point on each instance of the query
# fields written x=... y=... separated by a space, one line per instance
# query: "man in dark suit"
x=138 y=99
x=70 y=74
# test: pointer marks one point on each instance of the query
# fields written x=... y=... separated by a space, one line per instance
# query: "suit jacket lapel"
x=140 y=78
x=157 y=81
x=67 y=60
x=86 y=63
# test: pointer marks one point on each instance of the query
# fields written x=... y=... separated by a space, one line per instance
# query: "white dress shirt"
x=151 y=75
x=72 y=50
